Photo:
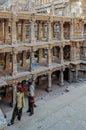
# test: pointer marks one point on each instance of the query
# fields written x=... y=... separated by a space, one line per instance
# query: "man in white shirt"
x=31 y=98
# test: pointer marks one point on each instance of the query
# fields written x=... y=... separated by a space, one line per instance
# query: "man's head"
x=20 y=89
x=29 y=81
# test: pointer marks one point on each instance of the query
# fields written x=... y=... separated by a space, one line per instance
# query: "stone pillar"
x=14 y=63
x=76 y=74
x=14 y=37
x=73 y=53
x=14 y=94
x=61 y=77
x=24 y=64
x=32 y=32
x=49 y=60
x=40 y=56
x=40 y=31
x=52 y=54
x=82 y=30
x=52 y=31
x=17 y=30
x=6 y=32
x=71 y=31
x=49 y=88
x=49 y=31
x=62 y=31
x=31 y=59
x=18 y=58
x=70 y=76
x=2 y=61
x=61 y=55
x=23 y=31
x=1 y=31
x=33 y=80
x=7 y=61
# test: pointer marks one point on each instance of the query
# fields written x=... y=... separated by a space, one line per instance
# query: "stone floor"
x=62 y=109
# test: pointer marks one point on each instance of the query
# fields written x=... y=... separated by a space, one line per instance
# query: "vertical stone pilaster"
x=73 y=53
x=76 y=74
x=61 y=77
x=14 y=37
x=40 y=31
x=14 y=63
x=62 y=30
x=33 y=80
x=52 y=31
x=17 y=31
x=40 y=56
x=32 y=32
x=52 y=54
x=49 y=31
x=61 y=55
x=82 y=30
x=71 y=31
x=18 y=58
x=24 y=64
x=23 y=31
x=2 y=61
x=14 y=94
x=49 y=60
x=6 y=32
x=31 y=59
x=70 y=76
x=1 y=31
x=7 y=61
x=49 y=88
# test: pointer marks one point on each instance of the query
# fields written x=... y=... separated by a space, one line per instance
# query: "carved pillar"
x=14 y=32
x=18 y=58
x=71 y=31
x=40 y=31
x=70 y=76
x=24 y=64
x=14 y=63
x=40 y=56
x=7 y=61
x=52 y=54
x=23 y=31
x=32 y=32
x=6 y=32
x=17 y=31
x=31 y=59
x=52 y=31
x=61 y=77
x=61 y=55
x=2 y=61
x=82 y=30
x=76 y=74
x=49 y=88
x=1 y=31
x=49 y=60
x=14 y=92
x=62 y=30
x=49 y=31
x=73 y=53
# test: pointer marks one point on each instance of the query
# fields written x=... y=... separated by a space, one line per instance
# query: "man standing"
x=30 y=98
x=18 y=106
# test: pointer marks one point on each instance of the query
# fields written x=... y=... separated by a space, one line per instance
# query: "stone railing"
x=8 y=9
